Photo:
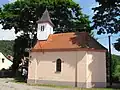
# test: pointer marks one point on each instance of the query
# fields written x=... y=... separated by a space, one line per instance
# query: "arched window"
x=58 y=65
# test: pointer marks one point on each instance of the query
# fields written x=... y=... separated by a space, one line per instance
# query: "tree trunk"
x=15 y=66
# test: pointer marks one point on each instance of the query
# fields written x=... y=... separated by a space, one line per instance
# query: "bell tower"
x=45 y=26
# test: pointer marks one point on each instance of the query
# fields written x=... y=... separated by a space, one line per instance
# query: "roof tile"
x=68 y=41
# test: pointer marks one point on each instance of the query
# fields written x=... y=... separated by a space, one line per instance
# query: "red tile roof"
x=68 y=41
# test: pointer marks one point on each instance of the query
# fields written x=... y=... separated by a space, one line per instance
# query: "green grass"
x=50 y=85
x=18 y=80
x=94 y=89
x=70 y=87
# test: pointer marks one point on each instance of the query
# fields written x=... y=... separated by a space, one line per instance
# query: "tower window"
x=42 y=28
x=2 y=60
x=58 y=65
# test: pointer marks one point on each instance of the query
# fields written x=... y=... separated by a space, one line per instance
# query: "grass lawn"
x=19 y=80
x=94 y=89
x=69 y=87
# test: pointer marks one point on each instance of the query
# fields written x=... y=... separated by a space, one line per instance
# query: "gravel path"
x=6 y=84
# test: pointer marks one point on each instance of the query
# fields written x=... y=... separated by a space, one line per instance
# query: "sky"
x=86 y=6
x=6 y=34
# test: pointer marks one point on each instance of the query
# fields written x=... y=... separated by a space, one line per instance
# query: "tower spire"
x=45 y=18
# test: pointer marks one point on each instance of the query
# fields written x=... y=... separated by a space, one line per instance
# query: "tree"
x=116 y=67
x=23 y=14
x=117 y=44
x=6 y=47
x=107 y=16
x=21 y=44
x=107 y=20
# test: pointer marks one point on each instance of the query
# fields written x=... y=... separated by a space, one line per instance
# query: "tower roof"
x=45 y=18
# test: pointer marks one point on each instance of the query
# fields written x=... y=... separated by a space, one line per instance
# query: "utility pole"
x=110 y=62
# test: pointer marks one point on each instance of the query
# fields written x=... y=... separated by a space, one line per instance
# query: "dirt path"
x=6 y=84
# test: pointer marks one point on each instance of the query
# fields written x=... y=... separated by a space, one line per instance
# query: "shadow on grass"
x=19 y=79
x=116 y=86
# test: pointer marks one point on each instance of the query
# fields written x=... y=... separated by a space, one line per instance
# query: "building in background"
x=5 y=63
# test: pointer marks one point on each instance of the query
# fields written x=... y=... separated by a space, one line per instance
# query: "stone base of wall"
x=65 y=83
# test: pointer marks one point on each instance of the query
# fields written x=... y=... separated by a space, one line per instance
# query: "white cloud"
x=10 y=1
x=95 y=4
x=77 y=1
x=7 y=34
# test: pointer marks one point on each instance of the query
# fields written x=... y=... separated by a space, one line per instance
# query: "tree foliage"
x=21 y=44
x=107 y=16
x=23 y=14
x=6 y=47
x=117 y=44
x=116 y=67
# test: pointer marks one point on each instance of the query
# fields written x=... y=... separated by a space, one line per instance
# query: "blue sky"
x=6 y=34
x=86 y=6
x=3 y=2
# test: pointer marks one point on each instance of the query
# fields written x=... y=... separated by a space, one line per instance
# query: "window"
x=42 y=28
x=2 y=60
x=58 y=65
